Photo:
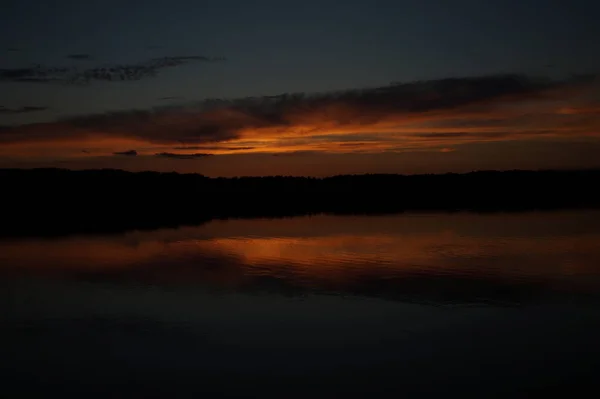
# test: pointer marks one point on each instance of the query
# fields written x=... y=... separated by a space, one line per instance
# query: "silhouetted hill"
x=58 y=201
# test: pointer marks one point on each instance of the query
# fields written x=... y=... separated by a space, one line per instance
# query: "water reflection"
x=236 y=309
x=435 y=258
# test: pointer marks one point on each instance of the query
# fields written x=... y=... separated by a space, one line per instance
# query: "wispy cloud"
x=592 y=109
x=36 y=73
x=129 y=153
x=400 y=117
x=20 y=110
x=79 y=56
x=111 y=73
x=212 y=148
x=182 y=156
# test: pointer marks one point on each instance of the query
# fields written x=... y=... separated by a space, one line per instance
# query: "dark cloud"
x=352 y=144
x=12 y=49
x=36 y=73
x=161 y=125
x=213 y=148
x=294 y=153
x=414 y=97
x=491 y=135
x=362 y=137
x=40 y=79
x=182 y=156
x=111 y=73
x=169 y=98
x=304 y=115
x=79 y=56
x=238 y=148
x=130 y=153
x=20 y=110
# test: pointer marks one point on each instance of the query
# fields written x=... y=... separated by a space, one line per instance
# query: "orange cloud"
x=406 y=117
x=579 y=110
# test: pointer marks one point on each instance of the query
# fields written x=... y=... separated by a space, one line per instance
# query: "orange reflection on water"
x=443 y=252
x=557 y=248
x=76 y=253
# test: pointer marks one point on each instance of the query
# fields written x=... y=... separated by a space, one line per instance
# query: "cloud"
x=582 y=110
x=21 y=110
x=213 y=148
x=443 y=135
x=294 y=153
x=129 y=153
x=400 y=117
x=79 y=56
x=110 y=73
x=36 y=73
x=169 y=98
x=182 y=156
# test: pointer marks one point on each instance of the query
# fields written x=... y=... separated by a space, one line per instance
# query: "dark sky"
x=65 y=59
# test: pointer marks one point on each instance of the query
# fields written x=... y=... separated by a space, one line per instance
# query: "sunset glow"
x=396 y=119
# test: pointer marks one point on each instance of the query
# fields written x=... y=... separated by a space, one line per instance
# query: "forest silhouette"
x=50 y=202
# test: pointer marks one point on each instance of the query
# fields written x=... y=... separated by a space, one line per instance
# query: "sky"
x=316 y=88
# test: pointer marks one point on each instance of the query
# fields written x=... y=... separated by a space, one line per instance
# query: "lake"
x=409 y=305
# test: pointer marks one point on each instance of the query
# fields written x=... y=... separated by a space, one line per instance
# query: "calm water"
x=415 y=305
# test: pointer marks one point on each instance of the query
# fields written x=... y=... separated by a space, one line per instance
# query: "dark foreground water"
x=440 y=305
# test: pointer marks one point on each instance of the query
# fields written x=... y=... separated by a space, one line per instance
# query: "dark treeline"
x=58 y=201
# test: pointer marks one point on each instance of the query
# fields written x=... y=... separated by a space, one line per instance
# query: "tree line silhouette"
x=60 y=201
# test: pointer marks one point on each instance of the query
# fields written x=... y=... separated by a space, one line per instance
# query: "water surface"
x=412 y=304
